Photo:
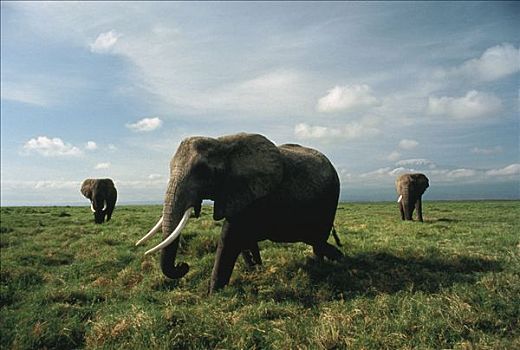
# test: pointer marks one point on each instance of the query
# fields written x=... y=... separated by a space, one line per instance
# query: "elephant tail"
x=336 y=237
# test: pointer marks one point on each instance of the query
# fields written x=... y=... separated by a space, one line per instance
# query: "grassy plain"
x=452 y=282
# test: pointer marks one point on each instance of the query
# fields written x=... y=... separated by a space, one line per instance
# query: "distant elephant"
x=285 y=194
x=410 y=188
x=103 y=195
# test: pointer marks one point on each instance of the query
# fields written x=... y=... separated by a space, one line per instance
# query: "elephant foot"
x=215 y=286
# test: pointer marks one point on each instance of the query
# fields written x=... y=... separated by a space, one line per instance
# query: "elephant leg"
x=327 y=250
x=99 y=217
x=227 y=253
x=401 y=209
x=408 y=210
x=418 y=207
x=110 y=209
x=251 y=255
x=111 y=204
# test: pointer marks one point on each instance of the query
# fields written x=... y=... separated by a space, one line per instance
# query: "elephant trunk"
x=408 y=204
x=173 y=210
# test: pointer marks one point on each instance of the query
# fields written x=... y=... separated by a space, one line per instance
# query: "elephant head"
x=103 y=195
x=233 y=171
x=410 y=188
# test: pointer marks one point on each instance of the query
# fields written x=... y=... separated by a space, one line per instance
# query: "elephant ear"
x=86 y=188
x=253 y=168
x=418 y=182
x=422 y=182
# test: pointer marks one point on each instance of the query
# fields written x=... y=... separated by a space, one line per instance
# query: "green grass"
x=452 y=282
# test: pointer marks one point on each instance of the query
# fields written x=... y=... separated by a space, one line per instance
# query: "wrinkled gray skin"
x=102 y=194
x=411 y=187
x=285 y=194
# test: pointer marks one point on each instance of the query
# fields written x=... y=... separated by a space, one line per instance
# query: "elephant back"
x=308 y=173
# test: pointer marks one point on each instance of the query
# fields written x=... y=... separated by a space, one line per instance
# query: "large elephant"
x=103 y=195
x=285 y=194
x=410 y=188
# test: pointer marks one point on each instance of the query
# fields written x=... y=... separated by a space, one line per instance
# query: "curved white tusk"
x=92 y=207
x=153 y=231
x=400 y=199
x=173 y=235
x=104 y=205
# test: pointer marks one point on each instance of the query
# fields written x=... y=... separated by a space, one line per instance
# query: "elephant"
x=103 y=195
x=287 y=193
x=410 y=188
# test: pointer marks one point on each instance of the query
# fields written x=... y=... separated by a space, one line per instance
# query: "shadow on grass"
x=443 y=220
x=374 y=273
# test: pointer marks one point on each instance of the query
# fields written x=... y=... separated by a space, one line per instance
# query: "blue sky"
x=102 y=89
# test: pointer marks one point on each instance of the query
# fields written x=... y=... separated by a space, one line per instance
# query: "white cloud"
x=24 y=93
x=486 y=151
x=51 y=147
x=142 y=184
x=474 y=105
x=348 y=97
x=305 y=131
x=104 y=42
x=408 y=144
x=460 y=173
x=42 y=185
x=154 y=176
x=377 y=173
x=102 y=166
x=389 y=174
x=40 y=88
x=398 y=171
x=112 y=147
x=271 y=93
x=420 y=162
x=495 y=63
x=510 y=170
x=348 y=131
x=393 y=156
x=272 y=80
x=356 y=130
x=195 y=78
x=145 y=125
x=51 y=184
x=386 y=173
x=91 y=145
x=177 y=65
x=344 y=175
x=404 y=144
x=465 y=174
